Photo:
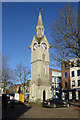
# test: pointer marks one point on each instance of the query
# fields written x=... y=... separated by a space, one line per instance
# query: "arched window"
x=44 y=69
x=43 y=56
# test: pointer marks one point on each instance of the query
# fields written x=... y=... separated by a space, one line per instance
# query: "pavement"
x=75 y=103
x=39 y=112
x=19 y=111
x=14 y=111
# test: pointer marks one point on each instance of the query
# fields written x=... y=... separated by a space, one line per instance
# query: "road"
x=39 y=112
x=26 y=111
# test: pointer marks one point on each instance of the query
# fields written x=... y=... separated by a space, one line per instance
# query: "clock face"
x=35 y=46
x=44 y=46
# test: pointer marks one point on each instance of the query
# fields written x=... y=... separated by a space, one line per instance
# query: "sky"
x=19 y=20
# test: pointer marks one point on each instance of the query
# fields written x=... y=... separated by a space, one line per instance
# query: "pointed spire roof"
x=40 y=19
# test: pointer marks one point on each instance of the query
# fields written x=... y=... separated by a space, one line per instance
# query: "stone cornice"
x=40 y=60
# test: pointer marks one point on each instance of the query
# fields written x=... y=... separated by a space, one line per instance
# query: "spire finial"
x=40 y=18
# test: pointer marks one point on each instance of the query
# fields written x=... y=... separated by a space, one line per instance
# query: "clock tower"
x=40 y=87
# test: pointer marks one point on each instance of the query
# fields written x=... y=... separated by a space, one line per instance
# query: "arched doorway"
x=44 y=95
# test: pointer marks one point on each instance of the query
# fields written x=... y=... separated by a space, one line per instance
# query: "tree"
x=65 y=33
x=19 y=91
x=6 y=72
x=22 y=74
x=19 y=72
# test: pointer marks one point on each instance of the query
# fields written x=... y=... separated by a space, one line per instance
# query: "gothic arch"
x=44 y=95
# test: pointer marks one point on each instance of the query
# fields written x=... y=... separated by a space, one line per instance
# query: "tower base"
x=40 y=94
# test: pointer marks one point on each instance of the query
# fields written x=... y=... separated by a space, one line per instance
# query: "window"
x=72 y=73
x=55 y=79
x=72 y=64
x=65 y=75
x=78 y=63
x=73 y=83
x=52 y=82
x=78 y=72
x=53 y=86
x=65 y=65
x=44 y=69
x=65 y=84
x=78 y=82
x=59 y=79
x=52 y=79
x=43 y=56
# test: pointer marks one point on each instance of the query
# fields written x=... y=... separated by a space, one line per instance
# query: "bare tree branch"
x=7 y=77
x=66 y=32
x=22 y=74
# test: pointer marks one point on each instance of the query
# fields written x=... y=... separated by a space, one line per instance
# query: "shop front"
x=71 y=94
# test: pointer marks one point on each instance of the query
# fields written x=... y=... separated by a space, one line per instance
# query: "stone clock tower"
x=40 y=88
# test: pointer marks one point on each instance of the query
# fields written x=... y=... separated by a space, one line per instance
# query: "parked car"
x=55 y=102
x=14 y=101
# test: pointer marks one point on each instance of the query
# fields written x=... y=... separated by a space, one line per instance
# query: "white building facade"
x=75 y=76
x=74 y=92
x=56 y=80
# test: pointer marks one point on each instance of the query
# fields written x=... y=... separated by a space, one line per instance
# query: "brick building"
x=71 y=79
x=65 y=73
x=15 y=88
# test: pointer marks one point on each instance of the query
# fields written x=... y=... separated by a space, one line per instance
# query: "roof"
x=54 y=70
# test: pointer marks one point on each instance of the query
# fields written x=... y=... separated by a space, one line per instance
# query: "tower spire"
x=40 y=26
x=40 y=18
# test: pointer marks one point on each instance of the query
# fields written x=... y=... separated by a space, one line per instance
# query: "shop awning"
x=71 y=90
